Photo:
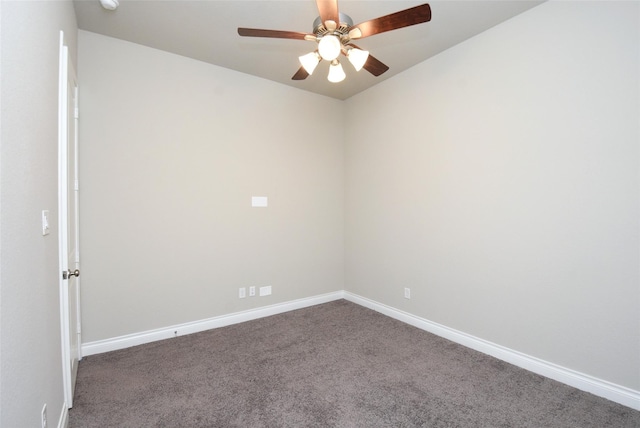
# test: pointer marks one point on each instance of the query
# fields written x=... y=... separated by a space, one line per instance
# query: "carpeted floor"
x=332 y=365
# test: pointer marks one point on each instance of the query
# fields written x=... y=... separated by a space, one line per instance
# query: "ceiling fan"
x=334 y=31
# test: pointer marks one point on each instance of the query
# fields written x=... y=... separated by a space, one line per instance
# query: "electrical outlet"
x=407 y=293
x=265 y=291
x=44 y=416
x=242 y=292
x=252 y=291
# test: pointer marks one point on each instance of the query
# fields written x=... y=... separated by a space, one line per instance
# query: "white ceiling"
x=206 y=30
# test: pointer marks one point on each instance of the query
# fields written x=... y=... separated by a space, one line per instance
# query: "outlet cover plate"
x=44 y=416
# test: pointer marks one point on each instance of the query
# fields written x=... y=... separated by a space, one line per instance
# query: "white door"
x=68 y=223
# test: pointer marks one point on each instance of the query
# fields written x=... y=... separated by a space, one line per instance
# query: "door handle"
x=69 y=273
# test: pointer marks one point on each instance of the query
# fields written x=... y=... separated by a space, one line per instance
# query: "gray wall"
x=172 y=150
x=499 y=181
x=31 y=366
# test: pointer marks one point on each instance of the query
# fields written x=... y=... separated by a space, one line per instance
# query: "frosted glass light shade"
x=310 y=61
x=336 y=73
x=358 y=58
x=329 y=47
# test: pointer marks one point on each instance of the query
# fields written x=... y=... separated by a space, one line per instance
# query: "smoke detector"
x=110 y=4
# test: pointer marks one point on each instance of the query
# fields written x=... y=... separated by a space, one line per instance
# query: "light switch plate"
x=45 y=222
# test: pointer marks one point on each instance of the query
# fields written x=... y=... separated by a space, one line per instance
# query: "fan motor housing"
x=343 y=26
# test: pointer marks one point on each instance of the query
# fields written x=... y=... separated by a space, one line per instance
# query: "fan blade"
x=328 y=10
x=373 y=65
x=276 y=34
x=301 y=74
x=404 y=18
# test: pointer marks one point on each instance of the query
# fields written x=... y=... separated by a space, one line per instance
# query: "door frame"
x=65 y=72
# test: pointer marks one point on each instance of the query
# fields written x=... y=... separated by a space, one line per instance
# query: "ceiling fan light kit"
x=329 y=47
x=357 y=57
x=310 y=61
x=336 y=73
x=333 y=32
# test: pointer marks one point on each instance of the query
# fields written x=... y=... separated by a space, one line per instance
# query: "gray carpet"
x=332 y=365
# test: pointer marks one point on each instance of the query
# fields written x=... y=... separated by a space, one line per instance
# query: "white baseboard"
x=121 y=342
x=63 y=421
x=617 y=393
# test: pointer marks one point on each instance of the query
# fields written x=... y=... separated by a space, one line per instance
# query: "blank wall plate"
x=265 y=291
x=259 y=201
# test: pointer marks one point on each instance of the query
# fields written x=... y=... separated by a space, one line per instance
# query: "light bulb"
x=357 y=57
x=310 y=61
x=336 y=73
x=329 y=47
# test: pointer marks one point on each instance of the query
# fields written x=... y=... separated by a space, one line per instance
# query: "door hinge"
x=76 y=113
x=76 y=185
